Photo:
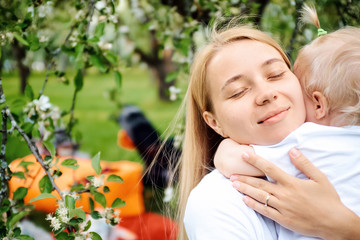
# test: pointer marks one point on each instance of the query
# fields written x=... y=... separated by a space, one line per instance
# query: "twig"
x=30 y=144
x=70 y=124
x=35 y=151
x=90 y=14
x=3 y=164
x=46 y=78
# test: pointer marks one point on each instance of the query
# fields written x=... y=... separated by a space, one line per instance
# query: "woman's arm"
x=228 y=159
x=310 y=207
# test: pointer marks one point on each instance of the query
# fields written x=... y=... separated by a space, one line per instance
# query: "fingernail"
x=245 y=156
x=294 y=153
x=245 y=199
x=233 y=178
x=236 y=184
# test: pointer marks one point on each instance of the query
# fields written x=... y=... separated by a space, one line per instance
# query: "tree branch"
x=30 y=144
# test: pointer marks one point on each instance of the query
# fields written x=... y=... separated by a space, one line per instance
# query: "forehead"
x=243 y=57
x=247 y=49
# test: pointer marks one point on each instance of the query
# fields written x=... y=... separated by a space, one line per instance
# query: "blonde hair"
x=200 y=141
x=331 y=65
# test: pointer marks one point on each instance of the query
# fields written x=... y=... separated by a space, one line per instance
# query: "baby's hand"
x=228 y=159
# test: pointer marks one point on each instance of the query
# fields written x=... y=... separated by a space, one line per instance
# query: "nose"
x=266 y=95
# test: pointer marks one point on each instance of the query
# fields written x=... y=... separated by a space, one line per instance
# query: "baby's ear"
x=320 y=105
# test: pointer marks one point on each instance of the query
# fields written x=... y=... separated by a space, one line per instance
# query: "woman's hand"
x=310 y=207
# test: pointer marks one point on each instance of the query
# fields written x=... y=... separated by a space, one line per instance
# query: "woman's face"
x=256 y=98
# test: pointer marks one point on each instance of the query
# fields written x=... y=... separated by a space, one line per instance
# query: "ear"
x=212 y=122
x=320 y=105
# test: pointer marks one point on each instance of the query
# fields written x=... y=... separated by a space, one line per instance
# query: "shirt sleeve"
x=215 y=210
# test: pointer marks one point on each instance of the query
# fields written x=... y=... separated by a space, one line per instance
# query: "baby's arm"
x=228 y=159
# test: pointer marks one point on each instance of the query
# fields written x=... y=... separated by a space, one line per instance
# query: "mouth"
x=274 y=116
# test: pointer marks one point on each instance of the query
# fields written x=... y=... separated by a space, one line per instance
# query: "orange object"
x=130 y=190
x=125 y=141
x=150 y=226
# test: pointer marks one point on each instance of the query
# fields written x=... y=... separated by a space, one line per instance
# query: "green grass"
x=93 y=109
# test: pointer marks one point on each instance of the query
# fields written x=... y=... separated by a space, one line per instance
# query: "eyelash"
x=277 y=76
x=238 y=94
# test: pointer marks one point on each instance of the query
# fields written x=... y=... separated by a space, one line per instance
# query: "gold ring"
x=267 y=200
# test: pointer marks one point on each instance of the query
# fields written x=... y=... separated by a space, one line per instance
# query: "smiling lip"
x=274 y=116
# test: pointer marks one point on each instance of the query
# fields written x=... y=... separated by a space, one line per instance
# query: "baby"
x=329 y=72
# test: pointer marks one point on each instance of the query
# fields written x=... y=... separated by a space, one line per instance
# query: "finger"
x=266 y=211
x=305 y=166
x=257 y=183
x=266 y=167
x=257 y=194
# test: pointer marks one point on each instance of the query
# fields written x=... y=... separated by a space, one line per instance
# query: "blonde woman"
x=214 y=210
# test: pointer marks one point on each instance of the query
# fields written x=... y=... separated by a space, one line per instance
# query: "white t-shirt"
x=215 y=211
x=334 y=150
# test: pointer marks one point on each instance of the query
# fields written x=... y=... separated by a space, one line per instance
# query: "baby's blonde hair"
x=331 y=65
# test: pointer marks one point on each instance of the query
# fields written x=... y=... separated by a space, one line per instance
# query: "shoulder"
x=215 y=210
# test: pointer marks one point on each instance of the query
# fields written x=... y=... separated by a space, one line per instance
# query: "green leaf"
x=91 y=202
x=29 y=93
x=20 y=39
x=118 y=203
x=49 y=146
x=77 y=187
x=27 y=127
x=99 y=30
x=20 y=193
x=24 y=237
x=171 y=76
x=96 y=61
x=95 y=236
x=112 y=58
x=94 y=40
x=36 y=133
x=70 y=163
x=42 y=196
x=45 y=185
x=100 y=198
x=118 y=78
x=70 y=202
x=78 y=80
x=20 y=175
x=87 y=226
x=95 y=215
x=63 y=236
x=34 y=42
x=15 y=218
x=79 y=213
x=106 y=189
x=95 y=162
x=115 y=178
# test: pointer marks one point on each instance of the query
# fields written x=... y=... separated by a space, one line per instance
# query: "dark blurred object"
x=147 y=142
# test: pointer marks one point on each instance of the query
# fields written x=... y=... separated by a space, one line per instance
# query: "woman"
x=214 y=210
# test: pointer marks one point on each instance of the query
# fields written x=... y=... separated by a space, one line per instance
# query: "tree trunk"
x=24 y=71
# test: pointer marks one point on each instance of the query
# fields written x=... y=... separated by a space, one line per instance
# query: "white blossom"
x=100 y=5
x=97 y=182
x=168 y=194
x=174 y=92
x=54 y=222
x=42 y=104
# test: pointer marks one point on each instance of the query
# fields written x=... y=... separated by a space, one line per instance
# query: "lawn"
x=93 y=108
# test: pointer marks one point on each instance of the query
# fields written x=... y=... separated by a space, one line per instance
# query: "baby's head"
x=329 y=71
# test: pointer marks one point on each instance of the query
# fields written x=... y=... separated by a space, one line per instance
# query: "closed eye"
x=277 y=76
x=238 y=94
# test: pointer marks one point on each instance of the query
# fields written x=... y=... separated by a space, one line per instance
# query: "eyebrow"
x=239 y=76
